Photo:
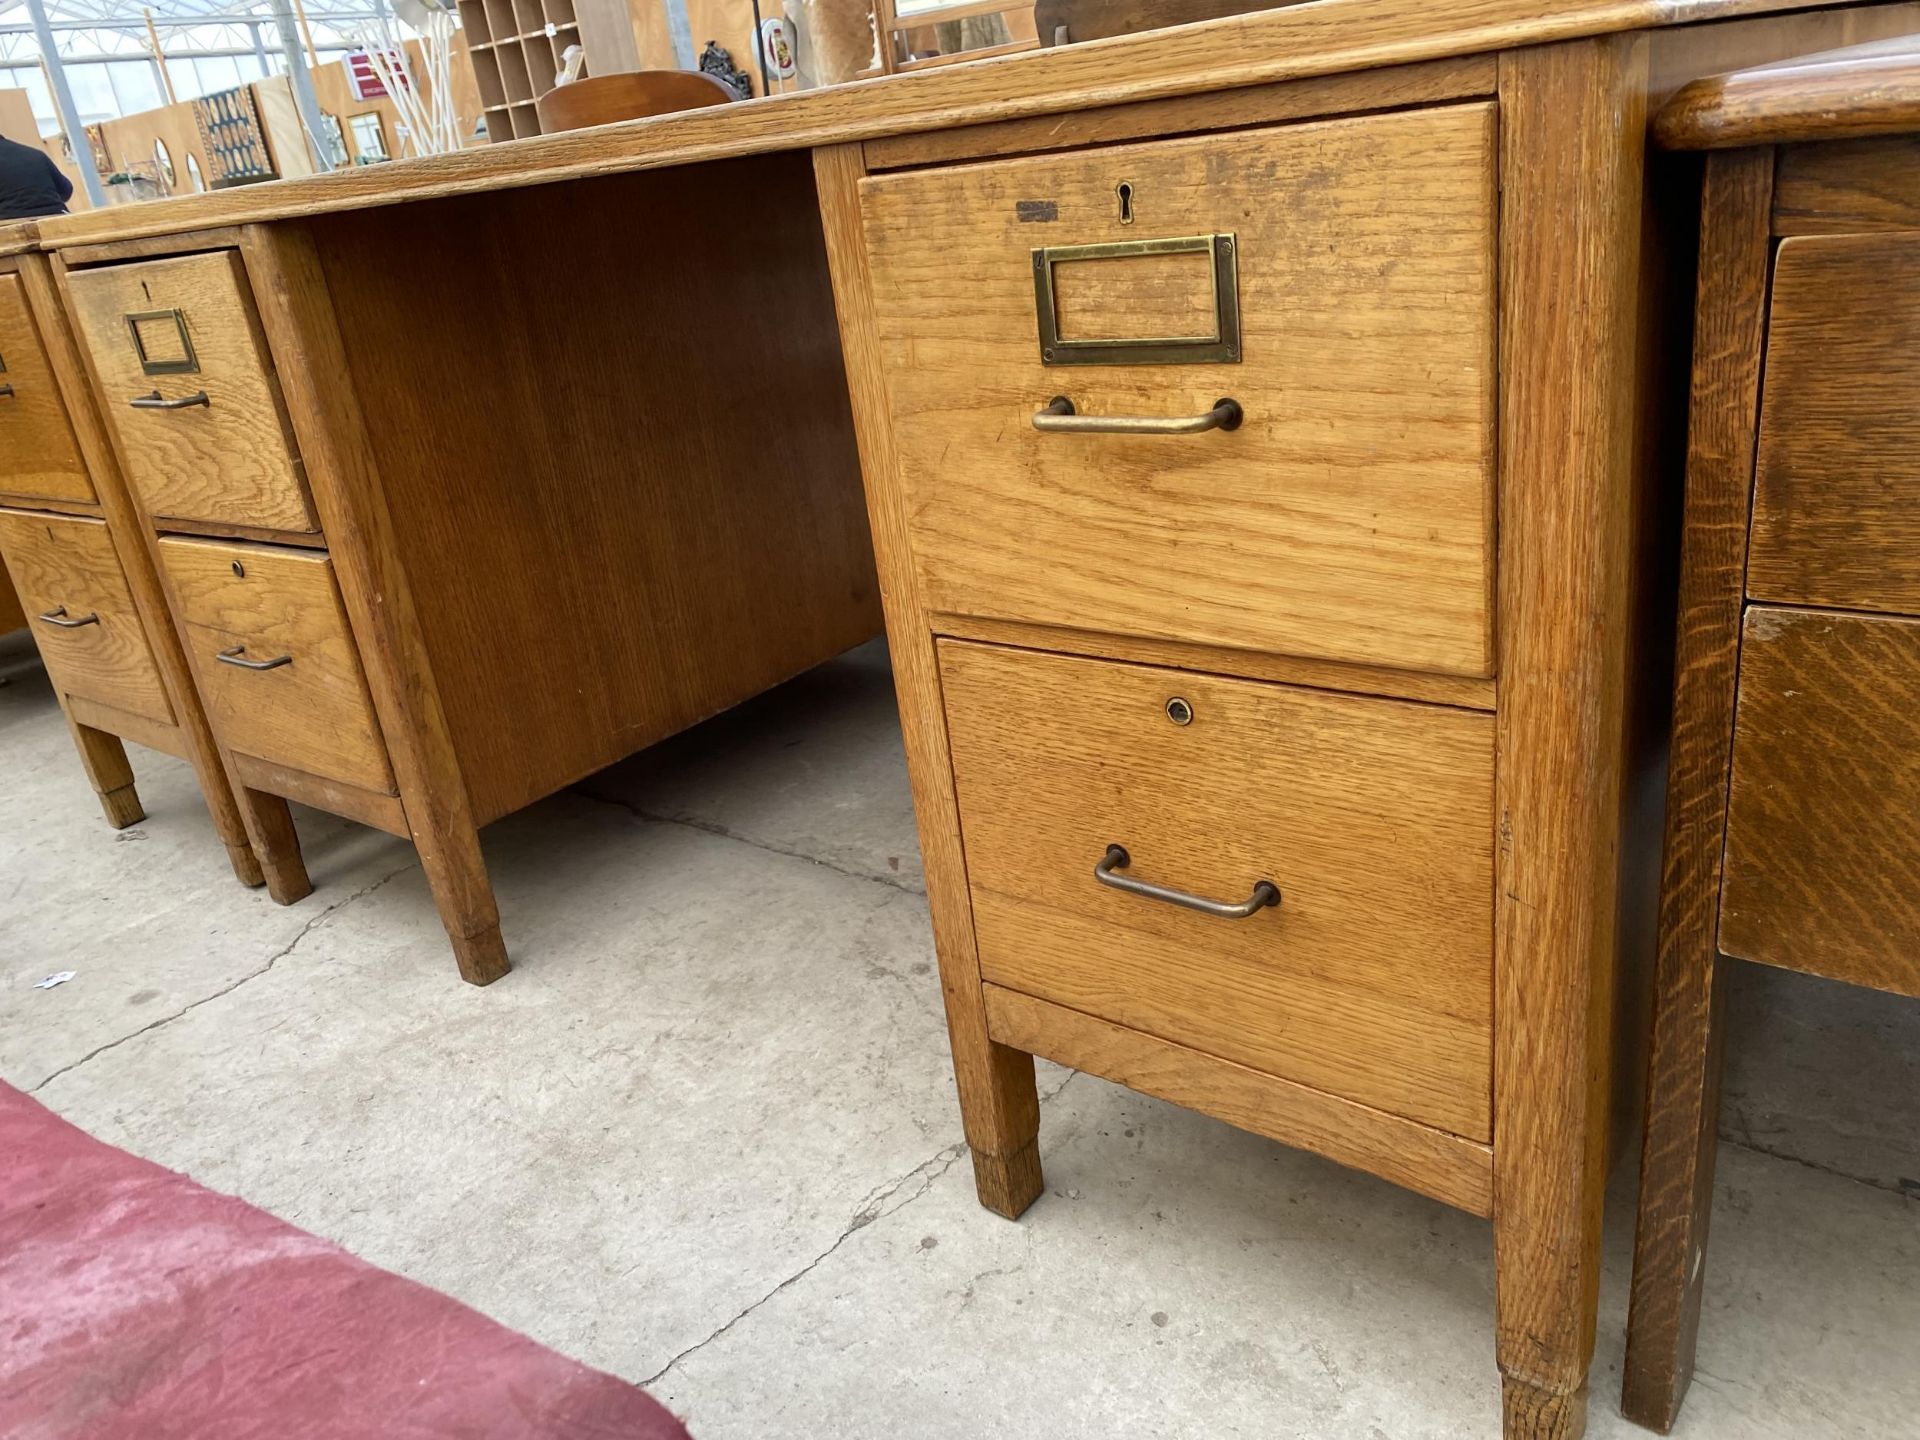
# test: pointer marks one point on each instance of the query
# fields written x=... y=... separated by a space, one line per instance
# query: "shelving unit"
x=517 y=47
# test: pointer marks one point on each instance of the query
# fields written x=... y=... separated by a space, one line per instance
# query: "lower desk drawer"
x=1371 y=979
x=1821 y=844
x=82 y=613
x=276 y=661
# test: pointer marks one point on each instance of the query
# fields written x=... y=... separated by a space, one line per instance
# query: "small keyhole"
x=1125 y=191
x=239 y=569
x=1179 y=711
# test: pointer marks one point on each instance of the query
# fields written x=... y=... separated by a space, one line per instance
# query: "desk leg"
x=457 y=876
x=104 y=758
x=1683 y=1085
x=270 y=827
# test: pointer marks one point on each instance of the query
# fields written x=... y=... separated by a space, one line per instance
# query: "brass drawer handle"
x=236 y=656
x=58 y=616
x=152 y=401
x=1265 y=892
x=1059 y=418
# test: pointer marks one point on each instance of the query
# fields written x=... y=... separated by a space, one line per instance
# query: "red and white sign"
x=364 y=79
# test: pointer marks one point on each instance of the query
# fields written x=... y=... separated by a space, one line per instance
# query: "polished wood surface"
x=627 y=95
x=1571 y=486
x=313 y=712
x=228 y=460
x=1836 y=502
x=1372 y=978
x=1271 y=537
x=1432 y=1162
x=1821 y=847
x=1084 y=20
x=67 y=563
x=1871 y=89
x=39 y=458
x=1221 y=55
x=1683 y=1074
x=1848 y=187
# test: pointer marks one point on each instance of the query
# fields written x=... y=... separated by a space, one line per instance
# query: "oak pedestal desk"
x=1794 y=783
x=70 y=539
x=1261 y=424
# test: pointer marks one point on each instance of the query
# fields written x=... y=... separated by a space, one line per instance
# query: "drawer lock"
x=1107 y=872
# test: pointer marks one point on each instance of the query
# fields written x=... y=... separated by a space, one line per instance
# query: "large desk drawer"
x=1836 y=501
x=1822 y=850
x=1346 y=517
x=186 y=381
x=275 y=658
x=82 y=612
x=39 y=456
x=1371 y=979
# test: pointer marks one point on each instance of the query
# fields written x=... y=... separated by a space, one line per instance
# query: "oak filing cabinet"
x=1258 y=500
x=433 y=563
x=86 y=580
x=1790 y=836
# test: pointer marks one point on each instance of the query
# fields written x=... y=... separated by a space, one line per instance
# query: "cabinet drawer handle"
x=1059 y=417
x=152 y=401
x=58 y=616
x=6 y=392
x=236 y=656
x=1265 y=892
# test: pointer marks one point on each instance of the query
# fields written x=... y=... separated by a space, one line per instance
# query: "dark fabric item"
x=137 y=1305
x=30 y=183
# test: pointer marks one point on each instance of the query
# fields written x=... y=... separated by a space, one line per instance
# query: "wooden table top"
x=1871 y=89
x=1326 y=38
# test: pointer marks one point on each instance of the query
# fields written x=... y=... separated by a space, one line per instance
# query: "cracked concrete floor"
x=704 y=1135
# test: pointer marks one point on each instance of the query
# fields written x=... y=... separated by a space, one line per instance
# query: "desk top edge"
x=1323 y=38
x=1861 y=90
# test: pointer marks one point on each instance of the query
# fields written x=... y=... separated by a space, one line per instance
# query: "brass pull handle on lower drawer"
x=1107 y=872
x=58 y=616
x=1060 y=418
x=236 y=655
x=152 y=401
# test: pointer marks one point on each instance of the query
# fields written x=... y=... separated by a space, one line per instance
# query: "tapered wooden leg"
x=457 y=876
x=104 y=758
x=270 y=827
x=1529 y=1412
x=1000 y=1112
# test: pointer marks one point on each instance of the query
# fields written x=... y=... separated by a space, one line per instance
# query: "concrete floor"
x=704 y=1136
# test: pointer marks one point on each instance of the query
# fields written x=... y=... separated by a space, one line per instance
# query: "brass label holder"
x=187 y=365
x=1222 y=346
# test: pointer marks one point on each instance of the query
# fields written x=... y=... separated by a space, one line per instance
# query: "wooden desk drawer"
x=311 y=712
x=66 y=566
x=1373 y=977
x=39 y=456
x=1836 y=505
x=1822 y=849
x=184 y=329
x=1348 y=517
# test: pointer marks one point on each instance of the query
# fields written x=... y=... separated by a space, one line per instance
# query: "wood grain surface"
x=1452 y=1170
x=69 y=561
x=1293 y=43
x=1572 y=148
x=1821 y=847
x=1348 y=518
x=1371 y=980
x=313 y=714
x=1682 y=1106
x=231 y=459
x=1848 y=186
x=1836 y=503
x=1869 y=89
x=39 y=458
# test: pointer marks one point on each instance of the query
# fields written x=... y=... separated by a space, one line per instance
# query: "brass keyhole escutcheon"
x=1125 y=191
x=1179 y=711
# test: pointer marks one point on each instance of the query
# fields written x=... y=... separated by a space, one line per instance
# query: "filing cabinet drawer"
x=188 y=385
x=1836 y=504
x=81 y=611
x=1370 y=979
x=1334 y=279
x=1821 y=849
x=276 y=662
x=39 y=456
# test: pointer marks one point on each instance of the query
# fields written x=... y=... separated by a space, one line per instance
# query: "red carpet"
x=137 y=1305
